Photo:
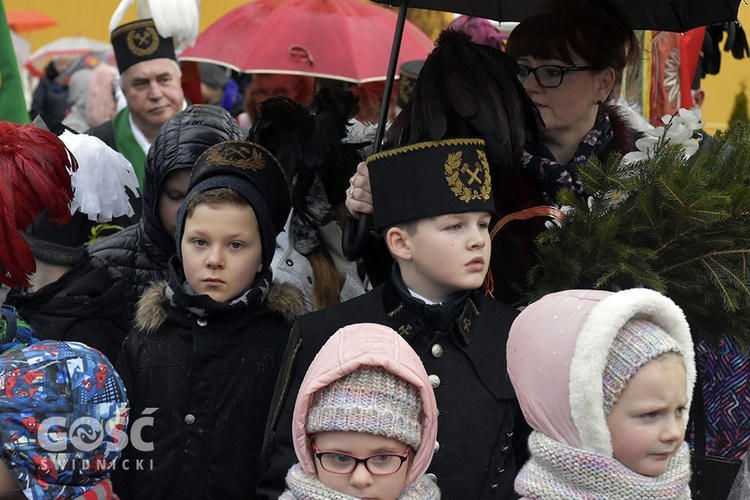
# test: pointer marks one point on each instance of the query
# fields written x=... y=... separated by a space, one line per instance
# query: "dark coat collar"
x=411 y=317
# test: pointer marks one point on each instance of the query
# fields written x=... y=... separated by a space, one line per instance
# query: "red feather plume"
x=35 y=169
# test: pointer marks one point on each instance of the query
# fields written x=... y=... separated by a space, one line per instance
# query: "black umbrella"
x=663 y=15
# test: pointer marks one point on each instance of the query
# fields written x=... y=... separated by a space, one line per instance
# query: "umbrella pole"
x=356 y=233
x=391 y=75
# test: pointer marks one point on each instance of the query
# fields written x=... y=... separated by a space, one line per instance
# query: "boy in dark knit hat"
x=141 y=252
x=208 y=344
x=434 y=204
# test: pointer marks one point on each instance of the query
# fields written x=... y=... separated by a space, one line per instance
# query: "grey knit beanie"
x=637 y=342
x=368 y=400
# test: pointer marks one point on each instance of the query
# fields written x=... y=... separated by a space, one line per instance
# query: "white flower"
x=691 y=118
x=614 y=198
x=679 y=129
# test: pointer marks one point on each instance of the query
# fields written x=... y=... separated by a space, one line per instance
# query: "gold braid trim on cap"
x=132 y=26
x=424 y=145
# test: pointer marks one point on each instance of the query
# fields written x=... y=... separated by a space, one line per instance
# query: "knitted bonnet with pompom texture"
x=368 y=400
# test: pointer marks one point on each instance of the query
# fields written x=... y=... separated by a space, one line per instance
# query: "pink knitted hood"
x=354 y=346
x=557 y=351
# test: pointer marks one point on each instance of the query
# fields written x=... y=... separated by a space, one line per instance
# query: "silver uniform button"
x=437 y=350
x=434 y=381
x=202 y=322
x=437 y=447
x=190 y=419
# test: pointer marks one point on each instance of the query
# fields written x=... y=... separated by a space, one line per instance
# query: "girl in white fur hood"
x=605 y=379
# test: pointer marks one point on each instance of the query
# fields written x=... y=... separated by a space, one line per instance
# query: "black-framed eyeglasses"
x=549 y=76
x=382 y=464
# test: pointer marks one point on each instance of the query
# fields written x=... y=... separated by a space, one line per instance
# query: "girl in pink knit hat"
x=605 y=380
x=365 y=421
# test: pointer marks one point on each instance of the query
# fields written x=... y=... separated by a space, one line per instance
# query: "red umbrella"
x=345 y=40
x=21 y=21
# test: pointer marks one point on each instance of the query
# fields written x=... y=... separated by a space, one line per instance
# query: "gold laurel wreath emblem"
x=453 y=168
x=238 y=157
x=143 y=42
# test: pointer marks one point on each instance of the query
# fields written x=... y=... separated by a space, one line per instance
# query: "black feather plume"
x=469 y=89
x=308 y=144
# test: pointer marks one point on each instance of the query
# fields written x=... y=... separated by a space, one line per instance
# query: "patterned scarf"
x=303 y=486
x=180 y=295
x=556 y=470
x=552 y=176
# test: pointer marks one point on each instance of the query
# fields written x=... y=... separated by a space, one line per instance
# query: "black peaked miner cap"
x=140 y=41
x=427 y=179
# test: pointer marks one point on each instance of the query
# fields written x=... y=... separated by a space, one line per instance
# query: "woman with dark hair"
x=572 y=57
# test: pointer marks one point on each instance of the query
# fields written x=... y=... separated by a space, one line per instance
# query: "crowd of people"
x=220 y=345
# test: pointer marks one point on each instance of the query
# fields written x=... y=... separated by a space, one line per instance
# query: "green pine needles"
x=678 y=226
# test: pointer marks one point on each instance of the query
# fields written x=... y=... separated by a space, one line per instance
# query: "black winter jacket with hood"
x=142 y=251
x=206 y=372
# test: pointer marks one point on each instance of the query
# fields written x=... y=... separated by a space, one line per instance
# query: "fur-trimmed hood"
x=283 y=298
x=557 y=351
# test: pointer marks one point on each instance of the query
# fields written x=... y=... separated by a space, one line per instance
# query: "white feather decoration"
x=119 y=14
x=178 y=19
x=101 y=182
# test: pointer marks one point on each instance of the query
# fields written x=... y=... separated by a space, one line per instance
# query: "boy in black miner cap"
x=434 y=204
x=208 y=344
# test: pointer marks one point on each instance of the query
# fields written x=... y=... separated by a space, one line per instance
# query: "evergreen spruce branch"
x=729 y=305
x=740 y=252
x=739 y=283
x=679 y=226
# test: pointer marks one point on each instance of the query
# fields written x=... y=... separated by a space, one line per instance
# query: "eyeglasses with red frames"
x=382 y=464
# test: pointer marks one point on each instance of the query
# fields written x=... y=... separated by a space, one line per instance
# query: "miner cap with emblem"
x=429 y=179
x=140 y=41
x=252 y=171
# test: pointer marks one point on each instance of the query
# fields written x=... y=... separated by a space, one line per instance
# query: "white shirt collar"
x=423 y=299
x=140 y=137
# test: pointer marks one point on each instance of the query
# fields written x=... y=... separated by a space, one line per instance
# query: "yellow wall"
x=721 y=89
x=91 y=17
